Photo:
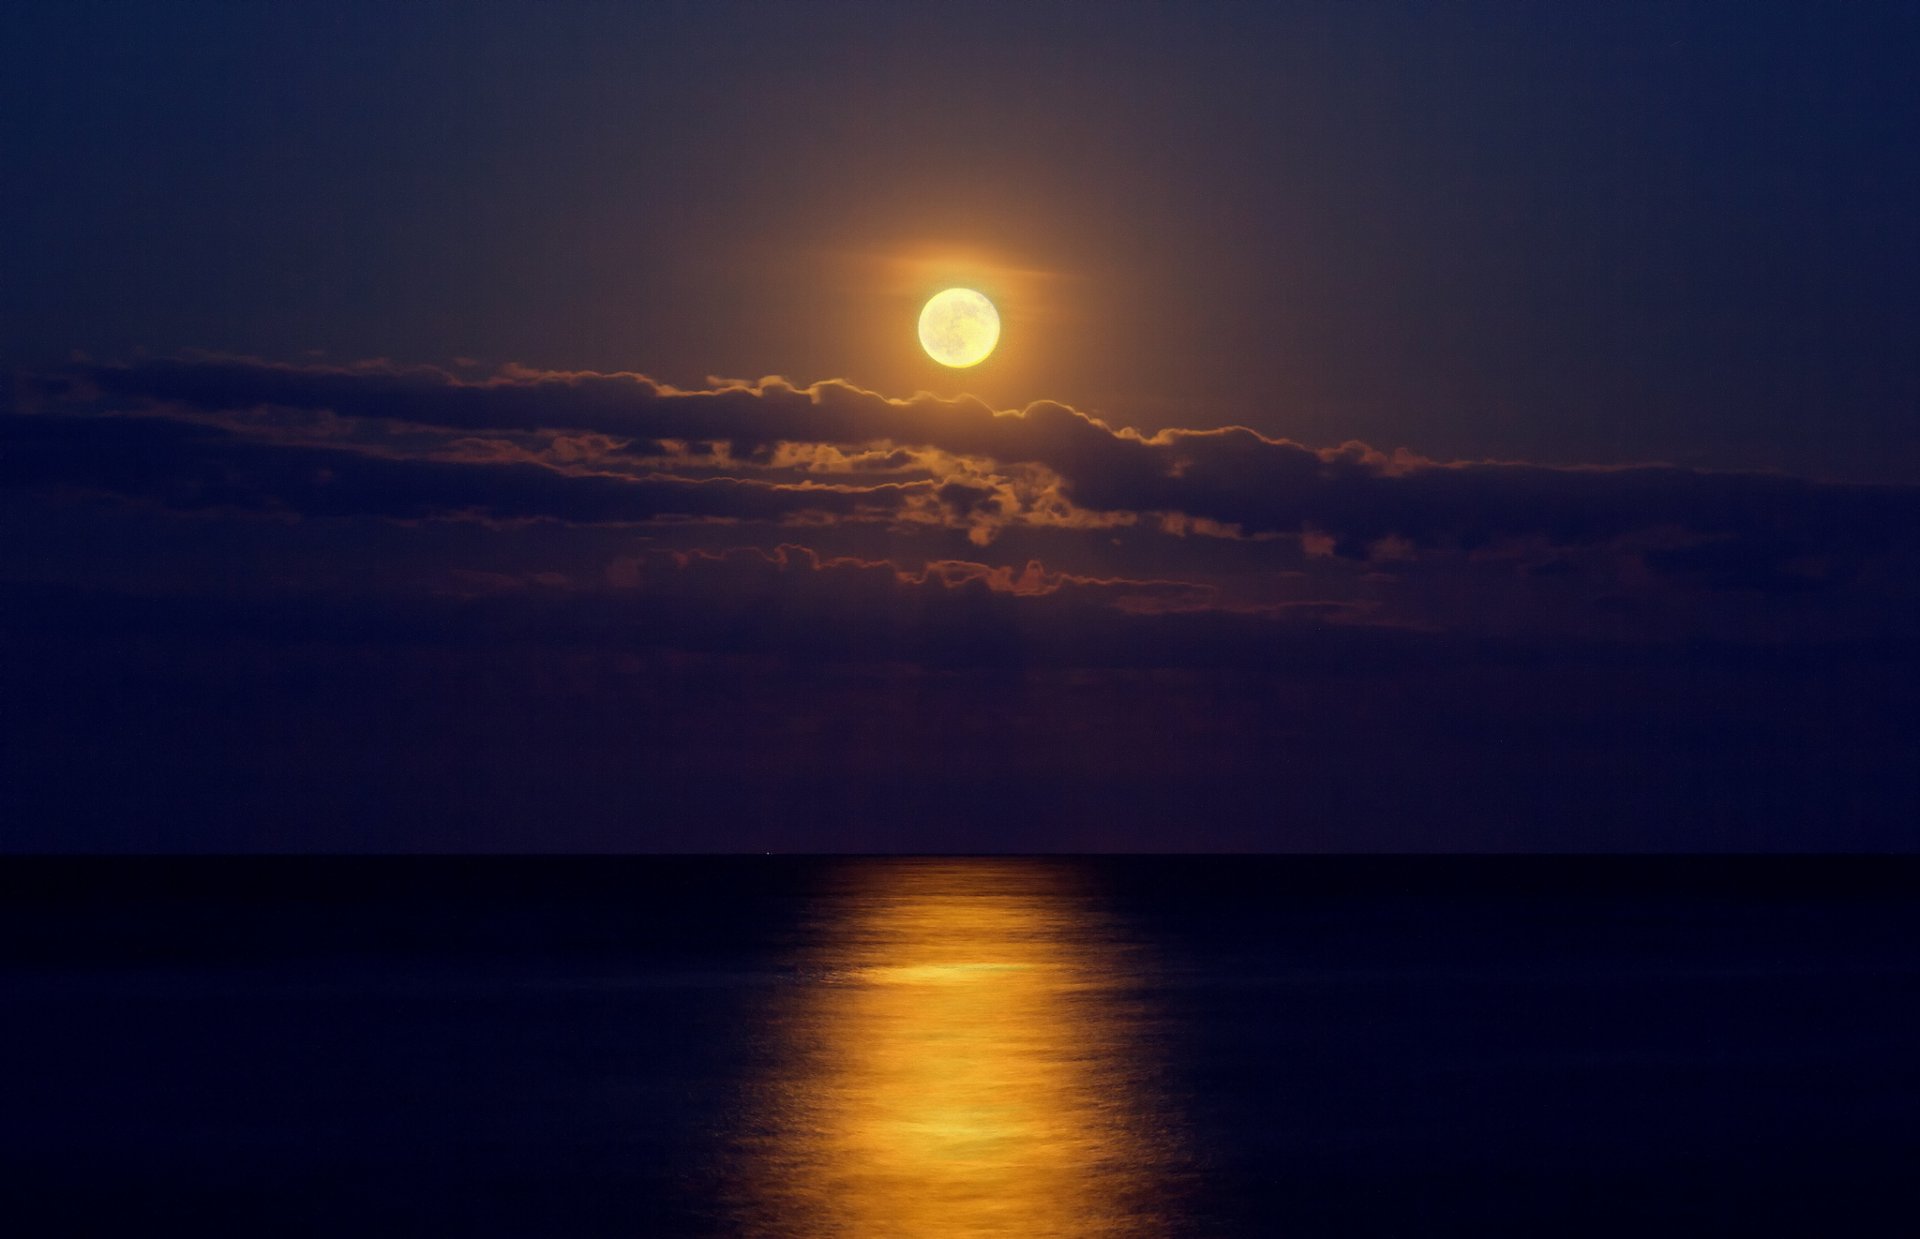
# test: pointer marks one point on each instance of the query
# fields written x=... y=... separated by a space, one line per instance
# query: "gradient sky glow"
x=497 y=425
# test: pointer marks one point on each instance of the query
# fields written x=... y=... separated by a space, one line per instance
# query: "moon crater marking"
x=959 y=327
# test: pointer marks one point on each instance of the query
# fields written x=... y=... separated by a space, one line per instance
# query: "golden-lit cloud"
x=1021 y=502
x=632 y=610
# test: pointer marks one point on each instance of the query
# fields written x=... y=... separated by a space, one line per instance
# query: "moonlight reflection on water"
x=970 y=1062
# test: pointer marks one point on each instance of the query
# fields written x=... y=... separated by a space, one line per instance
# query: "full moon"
x=959 y=327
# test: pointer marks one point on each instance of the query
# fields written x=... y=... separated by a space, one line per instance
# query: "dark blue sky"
x=1569 y=232
x=391 y=453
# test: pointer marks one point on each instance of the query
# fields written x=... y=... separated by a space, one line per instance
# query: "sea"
x=805 y=1047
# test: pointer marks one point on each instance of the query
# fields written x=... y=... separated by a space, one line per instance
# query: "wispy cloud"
x=781 y=465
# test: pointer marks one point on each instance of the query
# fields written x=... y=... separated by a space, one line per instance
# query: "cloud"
x=402 y=602
x=790 y=605
x=1031 y=580
x=1231 y=478
x=188 y=466
x=1186 y=520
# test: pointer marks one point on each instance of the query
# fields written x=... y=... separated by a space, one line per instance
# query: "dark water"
x=1207 y=1047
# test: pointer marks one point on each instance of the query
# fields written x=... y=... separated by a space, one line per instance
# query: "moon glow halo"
x=959 y=328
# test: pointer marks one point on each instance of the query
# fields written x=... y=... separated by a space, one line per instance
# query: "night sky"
x=496 y=426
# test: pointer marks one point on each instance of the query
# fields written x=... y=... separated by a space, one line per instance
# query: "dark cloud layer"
x=390 y=607
x=1233 y=476
x=189 y=467
x=537 y=721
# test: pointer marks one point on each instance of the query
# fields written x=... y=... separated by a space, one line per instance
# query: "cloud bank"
x=448 y=605
x=413 y=442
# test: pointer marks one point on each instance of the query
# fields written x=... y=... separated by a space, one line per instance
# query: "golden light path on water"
x=967 y=1063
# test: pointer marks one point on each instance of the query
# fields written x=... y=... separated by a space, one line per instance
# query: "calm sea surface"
x=960 y=1047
